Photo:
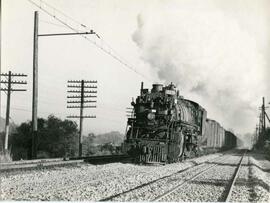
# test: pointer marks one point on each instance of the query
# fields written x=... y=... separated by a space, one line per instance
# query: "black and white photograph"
x=135 y=100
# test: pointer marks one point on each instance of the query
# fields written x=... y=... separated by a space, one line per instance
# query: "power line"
x=79 y=24
x=50 y=23
x=118 y=58
x=27 y=110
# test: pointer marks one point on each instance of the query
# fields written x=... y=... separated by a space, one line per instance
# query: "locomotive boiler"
x=165 y=127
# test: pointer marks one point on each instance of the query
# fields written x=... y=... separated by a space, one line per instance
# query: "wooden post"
x=81 y=118
x=8 y=91
x=83 y=88
x=263 y=116
x=35 y=89
x=7 y=112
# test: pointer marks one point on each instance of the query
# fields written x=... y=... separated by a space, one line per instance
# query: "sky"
x=215 y=51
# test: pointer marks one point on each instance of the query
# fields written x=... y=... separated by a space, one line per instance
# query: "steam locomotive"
x=166 y=128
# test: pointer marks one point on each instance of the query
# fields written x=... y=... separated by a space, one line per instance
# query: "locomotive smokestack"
x=141 y=87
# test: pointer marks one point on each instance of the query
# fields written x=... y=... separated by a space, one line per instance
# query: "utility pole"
x=262 y=123
x=263 y=116
x=256 y=134
x=35 y=78
x=35 y=89
x=81 y=88
x=8 y=89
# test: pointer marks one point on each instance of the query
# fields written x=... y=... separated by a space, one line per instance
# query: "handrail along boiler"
x=165 y=126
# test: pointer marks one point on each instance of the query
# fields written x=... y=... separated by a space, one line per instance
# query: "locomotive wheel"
x=191 y=152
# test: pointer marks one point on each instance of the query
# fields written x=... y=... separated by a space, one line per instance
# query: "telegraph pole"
x=35 y=89
x=262 y=123
x=9 y=82
x=81 y=117
x=263 y=116
x=7 y=112
x=35 y=78
x=81 y=88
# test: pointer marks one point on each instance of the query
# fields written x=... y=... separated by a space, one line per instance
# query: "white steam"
x=211 y=59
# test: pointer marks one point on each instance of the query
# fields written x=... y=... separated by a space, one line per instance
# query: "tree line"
x=58 y=138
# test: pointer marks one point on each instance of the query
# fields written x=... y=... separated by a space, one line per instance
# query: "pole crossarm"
x=78 y=91
x=83 y=106
x=85 y=101
x=79 y=102
x=79 y=81
x=67 y=33
x=78 y=96
x=81 y=116
x=78 y=86
x=6 y=89
x=15 y=82
x=14 y=74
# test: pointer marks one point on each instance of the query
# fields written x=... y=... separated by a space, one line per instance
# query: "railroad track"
x=150 y=191
x=229 y=194
x=87 y=187
x=56 y=192
x=104 y=158
x=224 y=198
x=60 y=191
x=45 y=163
x=121 y=196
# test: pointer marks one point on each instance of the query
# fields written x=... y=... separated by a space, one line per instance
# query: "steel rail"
x=197 y=175
x=234 y=178
x=36 y=165
x=33 y=164
x=96 y=180
x=91 y=159
x=184 y=182
x=110 y=198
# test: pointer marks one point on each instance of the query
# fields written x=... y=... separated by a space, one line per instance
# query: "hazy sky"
x=217 y=52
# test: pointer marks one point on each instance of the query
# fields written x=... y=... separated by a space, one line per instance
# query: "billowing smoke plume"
x=211 y=59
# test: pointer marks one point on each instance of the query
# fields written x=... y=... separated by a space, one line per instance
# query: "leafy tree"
x=56 y=138
x=20 y=142
x=2 y=141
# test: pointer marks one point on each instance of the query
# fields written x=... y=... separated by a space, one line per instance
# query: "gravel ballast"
x=129 y=182
x=210 y=186
x=253 y=183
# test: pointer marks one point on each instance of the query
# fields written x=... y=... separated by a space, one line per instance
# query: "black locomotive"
x=165 y=127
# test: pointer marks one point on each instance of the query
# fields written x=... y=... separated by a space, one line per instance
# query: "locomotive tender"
x=166 y=128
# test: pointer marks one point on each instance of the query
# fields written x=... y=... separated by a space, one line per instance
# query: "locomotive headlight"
x=151 y=116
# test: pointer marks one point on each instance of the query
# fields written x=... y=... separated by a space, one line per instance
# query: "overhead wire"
x=118 y=58
x=110 y=52
x=47 y=22
x=27 y=110
x=82 y=25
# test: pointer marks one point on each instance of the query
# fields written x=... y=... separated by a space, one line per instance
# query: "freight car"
x=165 y=127
x=230 y=140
